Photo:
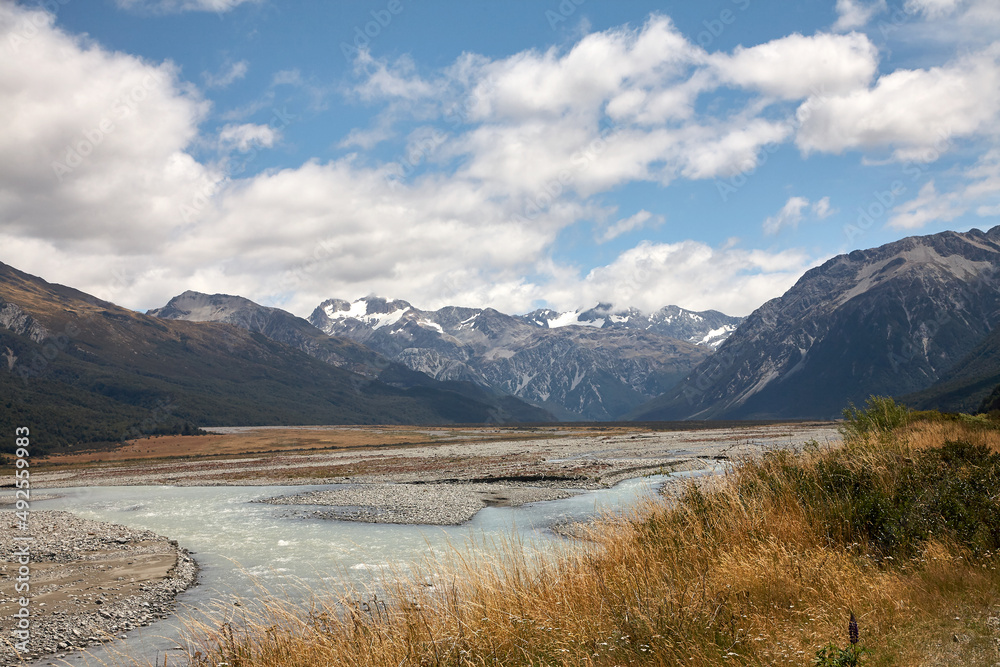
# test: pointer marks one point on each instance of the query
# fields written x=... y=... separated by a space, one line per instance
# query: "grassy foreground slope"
x=900 y=525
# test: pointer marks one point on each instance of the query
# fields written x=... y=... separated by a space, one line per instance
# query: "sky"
x=516 y=154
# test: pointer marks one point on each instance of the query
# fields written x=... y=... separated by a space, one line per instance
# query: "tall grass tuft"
x=759 y=567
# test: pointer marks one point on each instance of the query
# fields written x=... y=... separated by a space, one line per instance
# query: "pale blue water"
x=242 y=546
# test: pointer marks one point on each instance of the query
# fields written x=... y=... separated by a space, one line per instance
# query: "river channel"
x=245 y=547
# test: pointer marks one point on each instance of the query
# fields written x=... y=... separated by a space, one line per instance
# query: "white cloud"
x=978 y=190
x=793 y=212
x=691 y=273
x=93 y=154
x=178 y=6
x=790 y=215
x=821 y=209
x=390 y=80
x=928 y=206
x=797 y=66
x=629 y=224
x=232 y=73
x=529 y=145
x=912 y=111
x=247 y=136
x=852 y=14
x=932 y=9
x=597 y=68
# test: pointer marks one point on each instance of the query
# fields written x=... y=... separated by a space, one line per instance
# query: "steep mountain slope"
x=76 y=369
x=966 y=384
x=577 y=372
x=992 y=402
x=283 y=327
x=890 y=320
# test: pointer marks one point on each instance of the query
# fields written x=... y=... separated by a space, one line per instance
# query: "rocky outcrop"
x=20 y=323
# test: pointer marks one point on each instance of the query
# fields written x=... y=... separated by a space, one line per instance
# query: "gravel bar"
x=432 y=504
x=90 y=582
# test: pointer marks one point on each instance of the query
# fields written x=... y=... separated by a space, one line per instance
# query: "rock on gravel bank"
x=90 y=581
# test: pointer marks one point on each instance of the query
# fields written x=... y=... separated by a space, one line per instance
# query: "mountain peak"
x=886 y=321
x=373 y=311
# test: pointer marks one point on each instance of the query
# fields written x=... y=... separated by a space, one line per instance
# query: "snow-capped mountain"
x=462 y=399
x=593 y=364
x=708 y=327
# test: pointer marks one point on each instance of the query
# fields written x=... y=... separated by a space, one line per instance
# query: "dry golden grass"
x=753 y=572
x=923 y=434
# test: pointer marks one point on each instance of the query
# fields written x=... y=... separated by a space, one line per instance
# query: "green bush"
x=893 y=503
x=880 y=417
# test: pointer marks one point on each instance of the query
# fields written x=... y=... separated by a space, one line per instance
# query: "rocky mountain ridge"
x=889 y=320
x=596 y=364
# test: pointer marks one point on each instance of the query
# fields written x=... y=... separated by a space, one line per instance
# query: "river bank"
x=90 y=581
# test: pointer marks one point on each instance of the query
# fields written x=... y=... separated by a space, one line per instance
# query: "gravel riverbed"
x=89 y=581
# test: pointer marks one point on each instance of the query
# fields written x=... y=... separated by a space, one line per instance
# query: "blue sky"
x=509 y=154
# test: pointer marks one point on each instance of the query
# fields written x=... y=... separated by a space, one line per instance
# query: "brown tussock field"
x=286 y=441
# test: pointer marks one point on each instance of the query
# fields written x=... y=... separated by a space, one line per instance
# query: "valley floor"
x=420 y=475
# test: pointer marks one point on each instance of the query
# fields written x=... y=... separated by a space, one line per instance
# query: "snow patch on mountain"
x=591 y=364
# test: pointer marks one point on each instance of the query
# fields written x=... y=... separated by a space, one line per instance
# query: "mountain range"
x=591 y=365
x=915 y=319
x=82 y=371
x=596 y=364
x=904 y=319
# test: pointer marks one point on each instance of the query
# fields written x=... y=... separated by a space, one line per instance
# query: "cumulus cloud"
x=651 y=275
x=99 y=189
x=94 y=141
x=798 y=66
x=911 y=111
